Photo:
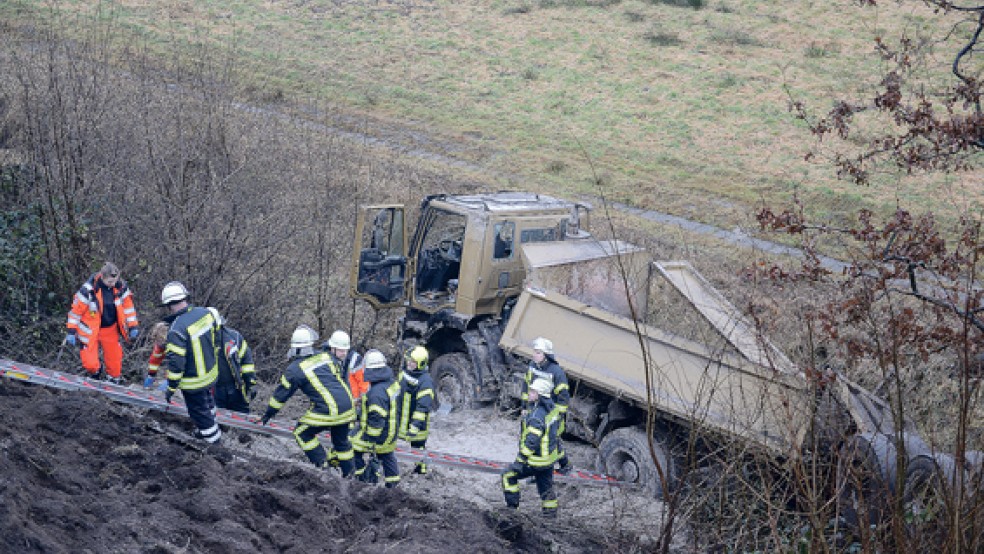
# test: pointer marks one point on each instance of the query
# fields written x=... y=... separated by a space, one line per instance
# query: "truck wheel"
x=928 y=479
x=625 y=456
x=453 y=383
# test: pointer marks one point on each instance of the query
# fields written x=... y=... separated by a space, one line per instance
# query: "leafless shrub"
x=157 y=164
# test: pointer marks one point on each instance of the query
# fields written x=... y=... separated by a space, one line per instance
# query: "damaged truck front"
x=482 y=275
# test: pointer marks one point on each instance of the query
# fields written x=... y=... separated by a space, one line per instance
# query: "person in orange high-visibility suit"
x=102 y=311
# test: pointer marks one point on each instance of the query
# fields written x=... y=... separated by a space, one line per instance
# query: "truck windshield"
x=440 y=254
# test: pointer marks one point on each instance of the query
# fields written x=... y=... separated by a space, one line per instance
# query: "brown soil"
x=83 y=474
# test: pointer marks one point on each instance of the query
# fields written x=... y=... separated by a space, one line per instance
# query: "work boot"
x=115 y=380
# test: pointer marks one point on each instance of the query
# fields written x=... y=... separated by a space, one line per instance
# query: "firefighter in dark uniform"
x=380 y=424
x=235 y=386
x=417 y=389
x=319 y=377
x=538 y=450
x=340 y=346
x=545 y=366
x=192 y=359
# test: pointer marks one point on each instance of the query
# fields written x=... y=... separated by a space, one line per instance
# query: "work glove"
x=148 y=381
x=565 y=469
x=267 y=416
x=71 y=339
x=167 y=395
x=134 y=333
x=251 y=393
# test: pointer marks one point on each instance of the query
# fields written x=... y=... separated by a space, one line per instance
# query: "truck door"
x=379 y=259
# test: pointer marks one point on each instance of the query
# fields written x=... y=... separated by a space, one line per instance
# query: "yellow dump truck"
x=482 y=275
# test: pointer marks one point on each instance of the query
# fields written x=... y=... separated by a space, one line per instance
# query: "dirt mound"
x=82 y=474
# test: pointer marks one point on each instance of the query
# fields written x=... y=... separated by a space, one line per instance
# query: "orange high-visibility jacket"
x=156 y=359
x=357 y=382
x=88 y=304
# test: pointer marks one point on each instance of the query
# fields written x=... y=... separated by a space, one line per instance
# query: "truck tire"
x=453 y=383
x=865 y=479
x=928 y=481
x=624 y=454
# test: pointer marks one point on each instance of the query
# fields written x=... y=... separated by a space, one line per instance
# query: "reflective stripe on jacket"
x=538 y=444
x=418 y=398
x=320 y=378
x=191 y=351
x=87 y=306
x=380 y=413
x=155 y=360
x=561 y=392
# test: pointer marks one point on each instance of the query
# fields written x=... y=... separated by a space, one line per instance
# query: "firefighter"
x=417 y=390
x=539 y=449
x=158 y=338
x=236 y=384
x=192 y=358
x=319 y=377
x=379 y=425
x=340 y=346
x=545 y=366
x=102 y=311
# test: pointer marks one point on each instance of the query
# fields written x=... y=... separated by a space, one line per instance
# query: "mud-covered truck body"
x=482 y=275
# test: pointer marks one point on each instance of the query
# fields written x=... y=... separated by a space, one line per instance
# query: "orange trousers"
x=109 y=339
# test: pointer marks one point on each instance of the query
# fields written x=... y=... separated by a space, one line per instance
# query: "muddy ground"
x=84 y=474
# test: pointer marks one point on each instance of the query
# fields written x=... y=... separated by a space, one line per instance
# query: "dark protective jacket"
x=539 y=444
x=320 y=378
x=551 y=371
x=417 y=390
x=192 y=349
x=91 y=301
x=236 y=365
x=380 y=421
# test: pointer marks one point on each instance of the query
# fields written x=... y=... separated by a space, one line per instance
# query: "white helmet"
x=303 y=337
x=543 y=345
x=219 y=320
x=339 y=339
x=173 y=292
x=375 y=359
x=543 y=387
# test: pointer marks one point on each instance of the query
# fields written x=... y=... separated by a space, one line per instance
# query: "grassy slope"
x=679 y=110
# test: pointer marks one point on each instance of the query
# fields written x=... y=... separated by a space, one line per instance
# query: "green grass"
x=680 y=93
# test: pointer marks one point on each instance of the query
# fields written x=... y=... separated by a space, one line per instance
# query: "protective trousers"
x=228 y=397
x=307 y=438
x=201 y=410
x=544 y=485
x=391 y=469
x=109 y=339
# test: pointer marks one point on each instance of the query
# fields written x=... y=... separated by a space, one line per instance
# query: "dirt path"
x=485 y=434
